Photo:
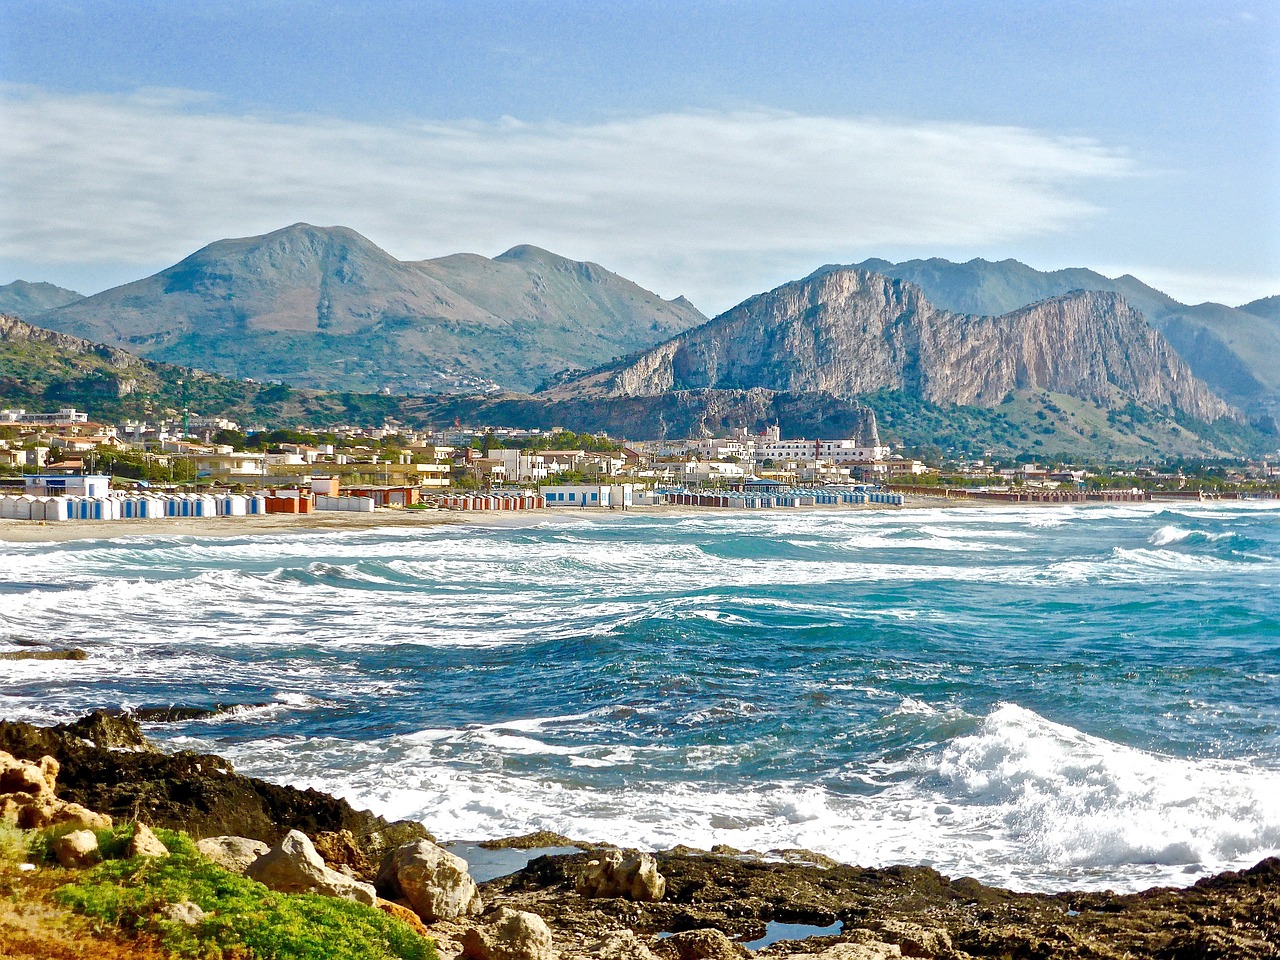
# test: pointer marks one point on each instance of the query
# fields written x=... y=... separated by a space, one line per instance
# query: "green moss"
x=13 y=843
x=243 y=918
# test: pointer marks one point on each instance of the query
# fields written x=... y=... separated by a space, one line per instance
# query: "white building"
x=701 y=471
x=64 y=416
x=846 y=450
x=64 y=485
x=588 y=495
x=526 y=467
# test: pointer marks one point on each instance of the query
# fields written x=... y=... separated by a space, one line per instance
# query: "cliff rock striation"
x=847 y=332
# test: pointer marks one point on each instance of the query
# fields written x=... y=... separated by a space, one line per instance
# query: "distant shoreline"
x=28 y=531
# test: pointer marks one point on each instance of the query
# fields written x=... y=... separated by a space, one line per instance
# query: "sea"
x=1044 y=698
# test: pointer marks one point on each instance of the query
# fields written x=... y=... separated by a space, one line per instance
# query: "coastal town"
x=66 y=466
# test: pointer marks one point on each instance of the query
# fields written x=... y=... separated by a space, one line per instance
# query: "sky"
x=705 y=149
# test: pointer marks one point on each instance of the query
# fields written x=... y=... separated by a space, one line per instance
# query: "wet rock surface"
x=903 y=911
x=713 y=902
x=198 y=793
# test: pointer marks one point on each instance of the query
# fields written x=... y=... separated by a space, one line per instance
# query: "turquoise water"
x=1043 y=698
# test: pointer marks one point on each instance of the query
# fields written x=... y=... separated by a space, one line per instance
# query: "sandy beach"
x=28 y=531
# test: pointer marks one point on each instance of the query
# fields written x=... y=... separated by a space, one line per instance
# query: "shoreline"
x=721 y=904
x=32 y=531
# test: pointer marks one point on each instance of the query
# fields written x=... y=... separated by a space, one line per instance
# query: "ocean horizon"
x=1044 y=698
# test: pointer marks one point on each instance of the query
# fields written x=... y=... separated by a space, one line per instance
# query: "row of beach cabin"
x=130 y=506
x=748 y=501
x=148 y=506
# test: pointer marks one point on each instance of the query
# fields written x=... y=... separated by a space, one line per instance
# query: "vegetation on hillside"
x=1054 y=426
x=123 y=901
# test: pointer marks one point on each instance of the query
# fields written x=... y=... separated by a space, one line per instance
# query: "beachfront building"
x=588 y=495
x=67 y=485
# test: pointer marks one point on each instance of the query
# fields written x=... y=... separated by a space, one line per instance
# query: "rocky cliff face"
x=675 y=413
x=848 y=332
x=1228 y=348
x=13 y=330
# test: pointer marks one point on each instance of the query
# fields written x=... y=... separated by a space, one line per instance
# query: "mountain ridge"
x=850 y=332
x=1224 y=346
x=24 y=297
x=326 y=307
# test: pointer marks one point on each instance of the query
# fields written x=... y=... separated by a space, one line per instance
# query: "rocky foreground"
x=620 y=905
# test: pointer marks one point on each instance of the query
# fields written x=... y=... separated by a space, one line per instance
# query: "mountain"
x=676 y=413
x=1268 y=308
x=23 y=299
x=848 y=332
x=44 y=370
x=324 y=307
x=1080 y=376
x=1226 y=347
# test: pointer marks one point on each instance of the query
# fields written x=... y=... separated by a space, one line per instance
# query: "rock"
x=187 y=913
x=514 y=935
x=198 y=793
x=293 y=866
x=145 y=843
x=112 y=730
x=232 y=853
x=870 y=950
x=434 y=882
x=175 y=713
x=914 y=940
x=849 y=333
x=623 y=945
x=23 y=776
x=73 y=654
x=341 y=851
x=62 y=813
x=28 y=796
x=79 y=848
x=708 y=944
x=615 y=874
x=531 y=841
x=405 y=915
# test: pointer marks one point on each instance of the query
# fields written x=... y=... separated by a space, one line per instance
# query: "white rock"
x=187 y=913
x=622 y=945
x=232 y=853
x=145 y=843
x=634 y=877
x=77 y=849
x=513 y=935
x=293 y=866
x=434 y=882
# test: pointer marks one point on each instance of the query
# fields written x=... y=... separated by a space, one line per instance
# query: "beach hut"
x=56 y=509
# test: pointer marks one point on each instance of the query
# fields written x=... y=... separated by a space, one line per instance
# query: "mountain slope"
x=23 y=299
x=1268 y=308
x=1227 y=348
x=848 y=332
x=325 y=307
x=43 y=370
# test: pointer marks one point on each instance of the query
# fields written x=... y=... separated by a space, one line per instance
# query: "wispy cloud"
x=708 y=204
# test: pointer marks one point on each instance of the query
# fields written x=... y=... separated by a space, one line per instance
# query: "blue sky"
x=709 y=149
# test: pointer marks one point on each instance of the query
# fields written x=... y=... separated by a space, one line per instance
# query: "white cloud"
x=714 y=205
